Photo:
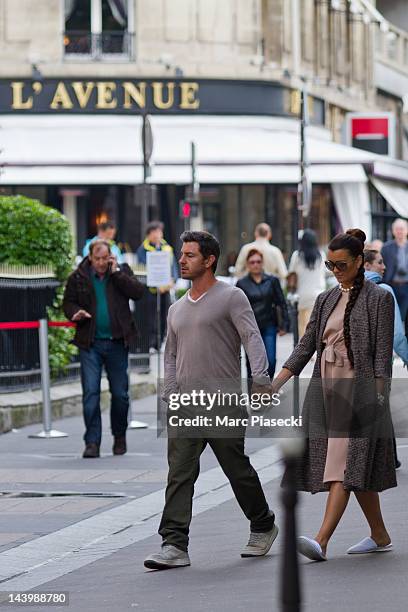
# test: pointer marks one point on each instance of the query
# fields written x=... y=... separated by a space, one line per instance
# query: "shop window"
x=97 y=29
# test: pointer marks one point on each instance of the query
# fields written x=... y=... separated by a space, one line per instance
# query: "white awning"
x=396 y=195
x=352 y=203
x=72 y=150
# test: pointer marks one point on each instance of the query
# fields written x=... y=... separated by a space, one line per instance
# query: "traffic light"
x=188 y=209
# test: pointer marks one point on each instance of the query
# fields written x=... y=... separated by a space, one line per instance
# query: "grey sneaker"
x=168 y=557
x=259 y=544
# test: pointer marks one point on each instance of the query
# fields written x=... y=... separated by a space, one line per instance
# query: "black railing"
x=97 y=45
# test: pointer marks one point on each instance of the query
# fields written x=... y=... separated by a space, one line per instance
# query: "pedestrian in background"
x=307 y=276
x=97 y=298
x=351 y=328
x=375 y=245
x=265 y=295
x=106 y=231
x=154 y=241
x=273 y=261
x=374 y=272
x=205 y=330
x=395 y=255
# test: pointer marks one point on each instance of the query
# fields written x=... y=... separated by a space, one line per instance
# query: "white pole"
x=133 y=423
x=47 y=432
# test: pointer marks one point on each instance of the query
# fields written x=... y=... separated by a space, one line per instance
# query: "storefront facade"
x=90 y=162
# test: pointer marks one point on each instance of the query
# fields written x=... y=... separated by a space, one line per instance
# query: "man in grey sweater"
x=205 y=331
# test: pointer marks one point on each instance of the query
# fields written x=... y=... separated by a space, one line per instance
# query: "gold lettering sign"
x=61 y=98
x=188 y=96
x=18 y=102
x=104 y=95
x=133 y=93
x=106 y=90
x=158 y=95
x=83 y=93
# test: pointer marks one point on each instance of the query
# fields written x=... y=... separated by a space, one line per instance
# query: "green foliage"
x=61 y=351
x=180 y=293
x=34 y=234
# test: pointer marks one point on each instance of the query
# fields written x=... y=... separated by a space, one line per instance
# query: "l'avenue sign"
x=92 y=95
x=181 y=96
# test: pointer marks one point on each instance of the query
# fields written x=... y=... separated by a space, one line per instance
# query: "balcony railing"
x=392 y=47
x=96 y=46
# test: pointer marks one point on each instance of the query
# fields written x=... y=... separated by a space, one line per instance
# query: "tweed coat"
x=370 y=461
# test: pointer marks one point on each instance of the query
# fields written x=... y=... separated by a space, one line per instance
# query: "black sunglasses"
x=340 y=265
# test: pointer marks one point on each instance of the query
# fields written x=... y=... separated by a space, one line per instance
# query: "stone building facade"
x=73 y=56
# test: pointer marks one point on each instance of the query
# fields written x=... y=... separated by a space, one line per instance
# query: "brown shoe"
x=119 y=445
x=91 y=451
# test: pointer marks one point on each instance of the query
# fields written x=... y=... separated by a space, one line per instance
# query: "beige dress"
x=335 y=367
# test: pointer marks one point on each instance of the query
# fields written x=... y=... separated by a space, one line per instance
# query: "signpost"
x=147 y=146
x=158 y=275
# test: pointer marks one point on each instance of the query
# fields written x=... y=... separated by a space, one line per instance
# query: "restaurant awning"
x=396 y=194
x=72 y=150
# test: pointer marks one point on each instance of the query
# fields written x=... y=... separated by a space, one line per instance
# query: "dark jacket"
x=370 y=460
x=266 y=298
x=390 y=257
x=79 y=294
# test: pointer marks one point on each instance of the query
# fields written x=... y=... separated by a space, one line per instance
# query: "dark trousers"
x=401 y=293
x=184 y=467
x=114 y=356
x=152 y=317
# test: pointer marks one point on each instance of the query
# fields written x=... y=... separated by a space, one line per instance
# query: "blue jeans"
x=269 y=339
x=114 y=356
x=401 y=293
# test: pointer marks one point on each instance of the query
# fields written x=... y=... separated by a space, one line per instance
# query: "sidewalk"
x=25 y=407
x=93 y=547
x=85 y=526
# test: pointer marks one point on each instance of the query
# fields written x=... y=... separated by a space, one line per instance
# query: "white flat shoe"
x=368 y=546
x=310 y=549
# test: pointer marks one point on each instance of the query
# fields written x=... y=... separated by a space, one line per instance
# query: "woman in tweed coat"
x=366 y=333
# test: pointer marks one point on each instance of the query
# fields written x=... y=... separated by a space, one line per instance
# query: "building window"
x=97 y=29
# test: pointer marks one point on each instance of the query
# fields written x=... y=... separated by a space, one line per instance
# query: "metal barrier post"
x=290 y=598
x=133 y=423
x=47 y=432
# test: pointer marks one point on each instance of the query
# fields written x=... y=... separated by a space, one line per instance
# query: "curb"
x=15 y=417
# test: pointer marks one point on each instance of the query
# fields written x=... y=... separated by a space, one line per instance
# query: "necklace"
x=344 y=288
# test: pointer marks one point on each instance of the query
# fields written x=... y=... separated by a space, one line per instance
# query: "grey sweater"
x=204 y=339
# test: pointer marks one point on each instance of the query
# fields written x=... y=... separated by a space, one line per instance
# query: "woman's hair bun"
x=357 y=233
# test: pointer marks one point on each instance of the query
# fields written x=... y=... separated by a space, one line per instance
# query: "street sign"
x=374 y=132
x=158 y=269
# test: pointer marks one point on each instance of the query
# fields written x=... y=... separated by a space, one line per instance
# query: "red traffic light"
x=185 y=209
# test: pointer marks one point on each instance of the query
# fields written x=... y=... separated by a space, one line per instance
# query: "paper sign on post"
x=158 y=269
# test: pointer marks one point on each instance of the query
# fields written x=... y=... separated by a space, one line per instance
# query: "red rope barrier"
x=61 y=324
x=20 y=325
x=34 y=324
